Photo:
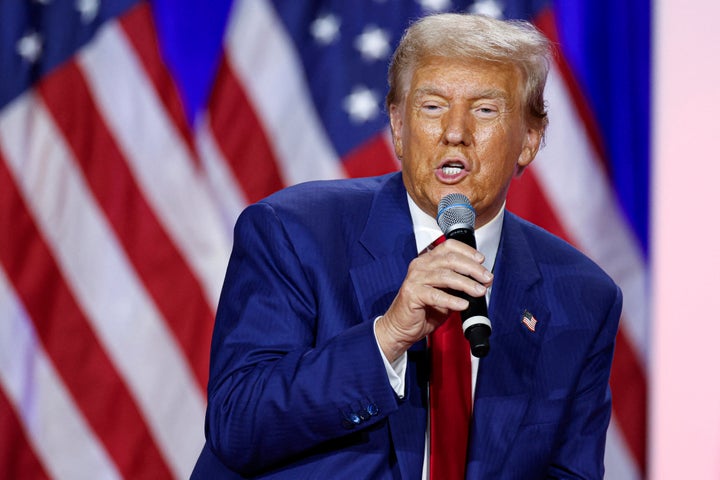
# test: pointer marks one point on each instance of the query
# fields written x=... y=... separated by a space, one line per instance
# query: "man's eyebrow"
x=491 y=93
x=485 y=93
x=427 y=91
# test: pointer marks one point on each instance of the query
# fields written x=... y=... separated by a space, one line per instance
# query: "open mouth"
x=453 y=168
x=452 y=171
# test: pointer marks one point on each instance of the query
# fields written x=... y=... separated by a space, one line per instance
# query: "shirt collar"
x=487 y=237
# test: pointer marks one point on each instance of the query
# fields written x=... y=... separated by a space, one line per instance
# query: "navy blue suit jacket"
x=297 y=384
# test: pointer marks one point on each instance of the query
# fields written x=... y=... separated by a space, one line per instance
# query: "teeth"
x=451 y=170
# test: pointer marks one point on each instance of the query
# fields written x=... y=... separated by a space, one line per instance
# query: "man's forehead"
x=473 y=78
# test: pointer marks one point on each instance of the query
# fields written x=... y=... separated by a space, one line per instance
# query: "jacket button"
x=351 y=420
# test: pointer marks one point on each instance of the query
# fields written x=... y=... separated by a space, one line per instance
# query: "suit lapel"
x=504 y=376
x=380 y=261
x=385 y=248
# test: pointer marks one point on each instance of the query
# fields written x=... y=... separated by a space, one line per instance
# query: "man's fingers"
x=451 y=271
x=441 y=300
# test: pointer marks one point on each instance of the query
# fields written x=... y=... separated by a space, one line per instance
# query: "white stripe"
x=157 y=155
x=578 y=190
x=58 y=433
x=126 y=321
x=225 y=189
x=264 y=59
x=619 y=465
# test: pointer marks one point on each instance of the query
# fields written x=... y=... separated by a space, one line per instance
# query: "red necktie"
x=450 y=400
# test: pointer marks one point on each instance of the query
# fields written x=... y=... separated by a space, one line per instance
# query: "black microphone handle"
x=476 y=324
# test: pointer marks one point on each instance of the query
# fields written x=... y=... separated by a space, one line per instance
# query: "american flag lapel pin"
x=529 y=321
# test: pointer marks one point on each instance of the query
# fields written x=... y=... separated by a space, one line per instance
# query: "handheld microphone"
x=456 y=218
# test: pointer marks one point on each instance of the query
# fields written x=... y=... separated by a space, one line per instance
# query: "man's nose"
x=458 y=127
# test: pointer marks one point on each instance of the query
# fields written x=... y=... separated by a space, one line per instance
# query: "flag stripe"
x=17 y=458
x=156 y=155
x=263 y=58
x=375 y=157
x=222 y=179
x=607 y=44
x=97 y=271
x=81 y=361
x=628 y=383
x=546 y=22
x=140 y=31
x=41 y=400
x=151 y=251
x=527 y=198
x=241 y=138
x=619 y=463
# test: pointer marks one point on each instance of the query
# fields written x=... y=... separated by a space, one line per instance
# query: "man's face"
x=461 y=128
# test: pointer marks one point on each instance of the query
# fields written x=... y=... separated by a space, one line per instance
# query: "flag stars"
x=373 y=43
x=362 y=105
x=88 y=9
x=491 y=8
x=435 y=5
x=30 y=47
x=325 y=29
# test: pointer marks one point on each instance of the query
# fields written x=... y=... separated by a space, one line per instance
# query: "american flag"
x=133 y=133
x=529 y=321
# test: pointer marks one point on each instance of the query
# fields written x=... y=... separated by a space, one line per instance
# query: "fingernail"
x=486 y=276
x=461 y=304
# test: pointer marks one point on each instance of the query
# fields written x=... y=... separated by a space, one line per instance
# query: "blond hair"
x=478 y=37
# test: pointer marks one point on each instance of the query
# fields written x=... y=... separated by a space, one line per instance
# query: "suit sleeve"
x=581 y=446
x=280 y=384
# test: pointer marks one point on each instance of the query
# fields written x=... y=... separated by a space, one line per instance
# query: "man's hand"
x=423 y=301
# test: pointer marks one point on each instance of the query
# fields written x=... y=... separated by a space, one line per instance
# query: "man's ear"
x=533 y=140
x=396 y=124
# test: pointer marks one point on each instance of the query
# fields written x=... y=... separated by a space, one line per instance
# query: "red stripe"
x=371 y=158
x=241 y=137
x=67 y=337
x=527 y=199
x=629 y=387
x=149 y=248
x=139 y=26
x=17 y=458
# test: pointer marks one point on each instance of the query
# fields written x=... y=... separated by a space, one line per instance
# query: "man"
x=319 y=364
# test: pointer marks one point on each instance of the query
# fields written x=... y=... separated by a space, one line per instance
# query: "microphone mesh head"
x=455 y=211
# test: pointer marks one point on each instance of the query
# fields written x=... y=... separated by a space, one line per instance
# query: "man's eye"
x=432 y=110
x=486 y=111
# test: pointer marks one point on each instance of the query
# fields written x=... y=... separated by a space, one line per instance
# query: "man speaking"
x=338 y=348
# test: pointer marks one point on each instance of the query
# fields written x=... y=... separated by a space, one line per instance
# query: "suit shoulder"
x=335 y=208
x=324 y=196
x=568 y=273
x=549 y=249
